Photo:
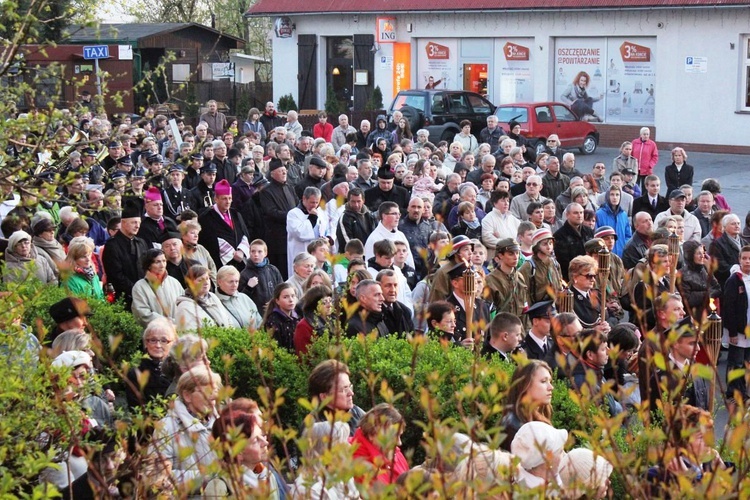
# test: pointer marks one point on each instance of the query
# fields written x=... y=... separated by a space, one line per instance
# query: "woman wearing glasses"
x=158 y=338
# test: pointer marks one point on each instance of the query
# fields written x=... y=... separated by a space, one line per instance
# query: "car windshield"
x=506 y=114
x=415 y=101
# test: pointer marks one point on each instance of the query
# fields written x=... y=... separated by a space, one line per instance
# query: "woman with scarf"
x=47 y=247
x=242 y=310
x=81 y=278
x=316 y=317
x=612 y=215
x=155 y=295
x=199 y=307
x=22 y=262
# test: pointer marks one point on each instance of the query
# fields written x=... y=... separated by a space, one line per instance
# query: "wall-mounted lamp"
x=731 y=46
x=409 y=27
x=336 y=71
x=374 y=48
x=182 y=53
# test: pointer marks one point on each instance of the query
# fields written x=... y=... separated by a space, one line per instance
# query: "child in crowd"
x=468 y=223
x=399 y=260
x=424 y=185
x=280 y=317
x=354 y=250
x=479 y=257
x=259 y=278
x=525 y=236
x=321 y=250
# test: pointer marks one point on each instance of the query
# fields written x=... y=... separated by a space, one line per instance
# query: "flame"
x=712 y=305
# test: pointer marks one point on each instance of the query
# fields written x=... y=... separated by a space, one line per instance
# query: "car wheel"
x=413 y=116
x=448 y=136
x=589 y=145
x=539 y=146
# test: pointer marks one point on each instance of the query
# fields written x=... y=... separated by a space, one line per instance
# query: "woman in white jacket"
x=155 y=296
x=182 y=437
x=199 y=307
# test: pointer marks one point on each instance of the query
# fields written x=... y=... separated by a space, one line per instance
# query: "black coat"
x=725 y=253
x=175 y=201
x=269 y=278
x=364 y=322
x=634 y=250
x=225 y=169
x=734 y=306
x=481 y=316
x=276 y=200
x=532 y=349
x=213 y=227
x=418 y=236
x=156 y=385
x=122 y=264
x=202 y=197
x=642 y=204
x=375 y=196
x=675 y=179
x=569 y=243
x=150 y=231
x=397 y=317
x=305 y=182
x=283 y=328
x=357 y=225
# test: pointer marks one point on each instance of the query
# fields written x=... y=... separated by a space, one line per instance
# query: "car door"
x=568 y=128
x=481 y=108
x=544 y=122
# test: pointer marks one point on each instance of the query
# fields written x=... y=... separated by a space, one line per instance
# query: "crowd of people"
x=349 y=231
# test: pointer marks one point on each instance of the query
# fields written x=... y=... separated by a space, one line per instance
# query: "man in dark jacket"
x=356 y=221
x=571 y=238
x=386 y=190
x=224 y=168
x=315 y=177
x=276 y=200
x=153 y=223
x=537 y=343
x=651 y=202
x=636 y=248
x=491 y=133
x=176 y=198
x=202 y=195
x=369 y=314
x=397 y=316
x=417 y=232
x=123 y=252
x=554 y=182
x=259 y=278
x=447 y=197
x=381 y=130
x=270 y=119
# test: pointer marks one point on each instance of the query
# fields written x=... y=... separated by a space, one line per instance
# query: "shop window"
x=745 y=68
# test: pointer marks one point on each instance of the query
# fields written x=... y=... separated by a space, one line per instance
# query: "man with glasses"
x=583 y=276
x=387 y=229
x=153 y=223
x=565 y=331
x=520 y=203
x=599 y=174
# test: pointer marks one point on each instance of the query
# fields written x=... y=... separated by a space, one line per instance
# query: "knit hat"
x=540 y=235
x=223 y=188
x=274 y=164
x=534 y=439
x=605 y=231
x=513 y=124
x=72 y=359
x=385 y=173
x=583 y=472
x=152 y=194
x=16 y=238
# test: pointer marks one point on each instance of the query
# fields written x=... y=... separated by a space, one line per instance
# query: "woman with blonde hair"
x=529 y=399
x=192 y=250
x=82 y=280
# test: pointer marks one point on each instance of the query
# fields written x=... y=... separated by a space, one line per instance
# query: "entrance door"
x=340 y=72
x=476 y=78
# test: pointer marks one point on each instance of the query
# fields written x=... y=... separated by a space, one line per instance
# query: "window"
x=480 y=106
x=563 y=114
x=745 y=69
x=458 y=104
x=505 y=114
x=415 y=101
x=543 y=114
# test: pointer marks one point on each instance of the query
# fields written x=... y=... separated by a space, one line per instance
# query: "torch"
x=603 y=258
x=712 y=343
x=470 y=290
x=673 y=243
x=565 y=299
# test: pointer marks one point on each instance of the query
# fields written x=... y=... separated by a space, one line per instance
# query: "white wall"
x=690 y=108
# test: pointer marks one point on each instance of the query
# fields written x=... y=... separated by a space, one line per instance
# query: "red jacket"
x=302 y=337
x=387 y=472
x=324 y=131
x=647 y=155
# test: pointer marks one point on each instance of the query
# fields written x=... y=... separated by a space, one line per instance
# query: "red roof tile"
x=275 y=7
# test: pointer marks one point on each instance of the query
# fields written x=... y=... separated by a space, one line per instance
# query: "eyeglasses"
x=327 y=301
x=158 y=341
x=532 y=184
x=589 y=276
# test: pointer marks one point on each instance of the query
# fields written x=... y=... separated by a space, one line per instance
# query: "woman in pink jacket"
x=647 y=154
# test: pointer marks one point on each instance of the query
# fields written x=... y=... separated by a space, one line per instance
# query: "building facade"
x=681 y=67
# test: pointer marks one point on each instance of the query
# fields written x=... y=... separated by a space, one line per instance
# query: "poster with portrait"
x=631 y=80
x=580 y=80
x=437 y=63
x=513 y=62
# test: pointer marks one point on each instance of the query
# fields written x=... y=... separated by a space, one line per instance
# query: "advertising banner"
x=401 y=67
x=607 y=79
x=437 y=63
x=514 y=82
x=579 y=75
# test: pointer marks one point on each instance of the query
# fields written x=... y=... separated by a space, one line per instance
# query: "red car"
x=541 y=119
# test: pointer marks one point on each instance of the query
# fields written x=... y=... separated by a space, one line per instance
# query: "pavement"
x=733 y=174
